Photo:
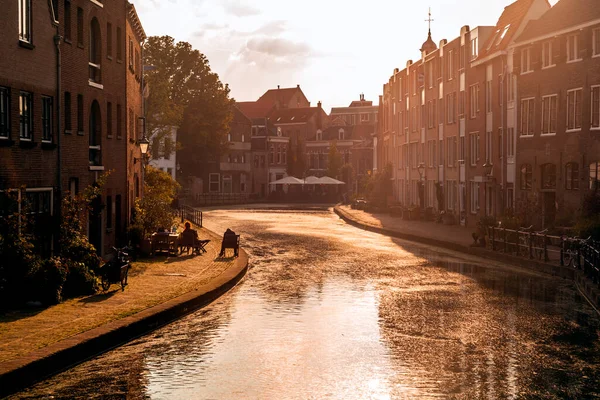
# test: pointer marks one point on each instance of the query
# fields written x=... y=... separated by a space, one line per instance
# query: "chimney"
x=319 y=118
x=278 y=87
x=319 y=104
x=298 y=86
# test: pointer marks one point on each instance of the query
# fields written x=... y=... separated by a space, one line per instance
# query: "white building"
x=164 y=153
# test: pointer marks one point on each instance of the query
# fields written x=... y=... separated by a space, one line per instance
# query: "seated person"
x=227 y=233
x=198 y=244
x=188 y=228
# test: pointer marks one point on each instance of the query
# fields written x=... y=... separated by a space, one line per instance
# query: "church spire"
x=429 y=44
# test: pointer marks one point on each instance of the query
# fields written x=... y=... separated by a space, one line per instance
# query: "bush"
x=589 y=222
x=48 y=280
x=80 y=281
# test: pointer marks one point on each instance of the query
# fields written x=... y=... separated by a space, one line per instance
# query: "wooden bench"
x=230 y=242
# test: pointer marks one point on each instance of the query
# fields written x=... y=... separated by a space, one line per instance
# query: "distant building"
x=557 y=65
x=164 y=154
x=359 y=112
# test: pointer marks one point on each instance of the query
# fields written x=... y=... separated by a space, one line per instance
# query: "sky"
x=334 y=49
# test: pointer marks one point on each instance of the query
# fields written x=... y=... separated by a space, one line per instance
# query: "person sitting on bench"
x=192 y=236
x=228 y=236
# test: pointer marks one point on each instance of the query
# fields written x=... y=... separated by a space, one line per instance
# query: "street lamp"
x=144 y=143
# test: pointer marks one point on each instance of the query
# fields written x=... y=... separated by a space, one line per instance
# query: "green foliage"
x=154 y=210
x=379 y=187
x=47 y=281
x=347 y=174
x=80 y=281
x=185 y=92
x=334 y=161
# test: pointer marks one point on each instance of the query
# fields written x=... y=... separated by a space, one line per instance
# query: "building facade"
x=557 y=64
x=164 y=154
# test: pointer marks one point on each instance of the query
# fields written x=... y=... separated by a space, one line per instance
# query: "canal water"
x=328 y=311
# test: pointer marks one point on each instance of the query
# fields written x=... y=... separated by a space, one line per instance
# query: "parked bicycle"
x=116 y=270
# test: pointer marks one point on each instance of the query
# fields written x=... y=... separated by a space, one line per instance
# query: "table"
x=164 y=242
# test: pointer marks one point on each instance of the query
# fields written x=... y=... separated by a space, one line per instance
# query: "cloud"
x=277 y=47
x=237 y=8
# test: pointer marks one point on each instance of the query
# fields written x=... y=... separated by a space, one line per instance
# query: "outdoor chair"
x=189 y=241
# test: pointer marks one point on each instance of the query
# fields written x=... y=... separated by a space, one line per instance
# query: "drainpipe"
x=57 y=40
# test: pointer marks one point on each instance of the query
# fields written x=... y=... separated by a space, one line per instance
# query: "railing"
x=559 y=250
x=210 y=199
x=192 y=215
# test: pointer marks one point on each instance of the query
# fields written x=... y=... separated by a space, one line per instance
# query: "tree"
x=334 y=161
x=185 y=93
x=154 y=210
x=347 y=173
x=379 y=187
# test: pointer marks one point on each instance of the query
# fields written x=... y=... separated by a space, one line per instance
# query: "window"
x=67 y=112
x=341 y=134
x=461 y=104
x=547 y=55
x=549 y=109
x=109 y=128
x=95 y=135
x=109 y=44
x=596 y=42
x=474 y=197
x=80 y=114
x=25 y=116
x=451 y=105
x=46 y=119
x=450 y=65
x=510 y=142
x=574 y=109
x=526 y=60
x=95 y=52
x=364 y=117
x=488 y=96
x=474 y=48
x=501 y=143
x=549 y=176
x=119 y=121
x=489 y=144
x=119 y=44
x=461 y=150
x=450 y=194
x=67 y=21
x=527 y=116
x=573 y=48
x=131 y=64
x=214 y=183
x=526 y=177
x=227 y=184
x=595 y=103
x=474 y=98
x=572 y=176
x=25 y=20
x=109 y=212
x=474 y=148
x=450 y=150
x=4 y=112
x=130 y=131
x=79 y=26
x=594 y=175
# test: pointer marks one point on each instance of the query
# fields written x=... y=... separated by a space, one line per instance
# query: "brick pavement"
x=151 y=282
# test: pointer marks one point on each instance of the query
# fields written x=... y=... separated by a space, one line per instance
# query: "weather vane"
x=429 y=20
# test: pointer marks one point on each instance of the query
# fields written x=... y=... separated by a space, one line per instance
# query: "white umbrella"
x=311 y=180
x=288 y=180
x=325 y=180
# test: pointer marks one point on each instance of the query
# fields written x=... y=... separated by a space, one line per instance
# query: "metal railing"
x=559 y=250
x=213 y=199
x=192 y=215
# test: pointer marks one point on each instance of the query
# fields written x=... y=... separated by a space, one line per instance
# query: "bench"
x=230 y=242
x=189 y=241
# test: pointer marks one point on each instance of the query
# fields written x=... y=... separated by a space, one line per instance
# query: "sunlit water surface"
x=328 y=311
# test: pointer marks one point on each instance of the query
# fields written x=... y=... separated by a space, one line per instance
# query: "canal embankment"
x=38 y=342
x=459 y=239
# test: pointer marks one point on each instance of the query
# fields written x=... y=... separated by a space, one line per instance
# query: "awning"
x=325 y=180
x=311 y=180
x=288 y=180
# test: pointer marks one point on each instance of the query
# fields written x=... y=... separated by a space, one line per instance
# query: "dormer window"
x=319 y=135
x=504 y=32
x=341 y=134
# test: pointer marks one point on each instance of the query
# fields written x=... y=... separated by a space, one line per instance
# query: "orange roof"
x=506 y=27
x=564 y=14
x=253 y=109
x=283 y=96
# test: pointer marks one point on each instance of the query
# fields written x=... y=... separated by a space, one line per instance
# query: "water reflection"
x=330 y=311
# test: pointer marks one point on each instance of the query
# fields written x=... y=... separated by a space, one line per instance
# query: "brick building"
x=442 y=120
x=557 y=64
x=28 y=111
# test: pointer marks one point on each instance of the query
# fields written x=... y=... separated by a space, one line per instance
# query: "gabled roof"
x=506 y=27
x=293 y=115
x=282 y=96
x=564 y=14
x=253 y=109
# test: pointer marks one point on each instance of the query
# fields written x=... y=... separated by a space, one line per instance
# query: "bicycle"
x=116 y=270
x=571 y=251
x=540 y=251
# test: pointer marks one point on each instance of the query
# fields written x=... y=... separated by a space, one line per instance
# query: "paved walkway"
x=151 y=282
x=456 y=236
